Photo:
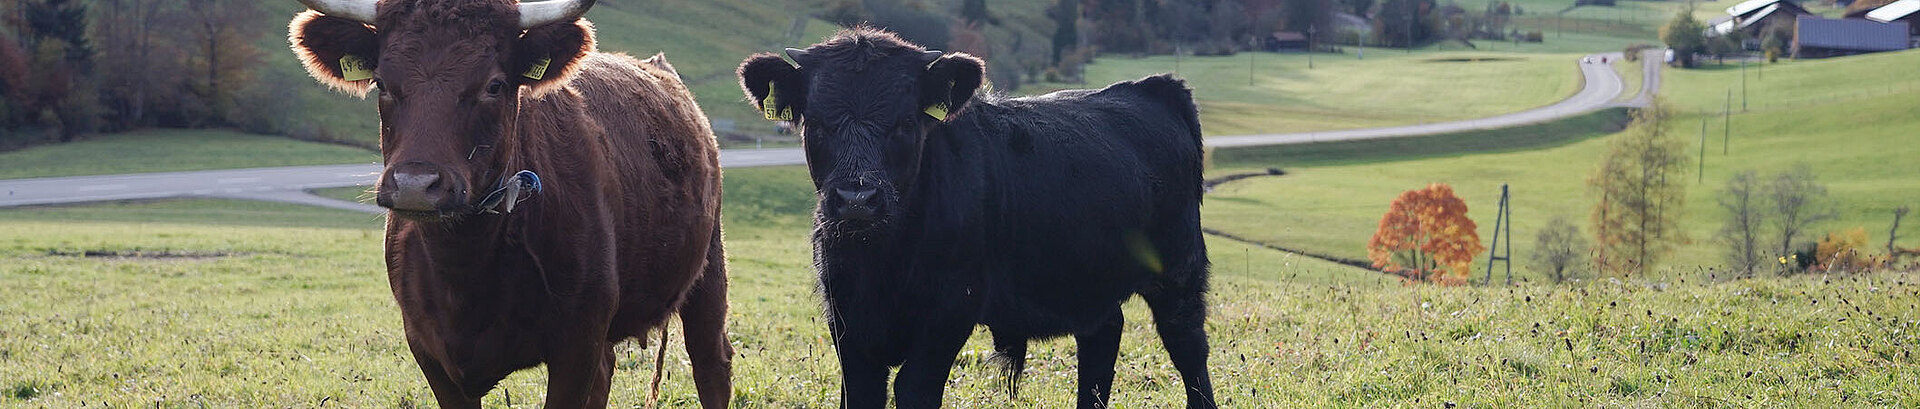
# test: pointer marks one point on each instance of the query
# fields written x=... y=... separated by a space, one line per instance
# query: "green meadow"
x=218 y=303
x=169 y=150
x=1850 y=119
x=210 y=303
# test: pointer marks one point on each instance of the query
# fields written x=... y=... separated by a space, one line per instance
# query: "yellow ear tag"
x=938 y=111
x=354 y=68
x=771 y=106
x=538 y=70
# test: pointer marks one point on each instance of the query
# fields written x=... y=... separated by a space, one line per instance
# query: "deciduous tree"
x=1642 y=190
x=1685 y=35
x=1427 y=236
x=1798 y=200
x=1559 y=251
x=1740 y=234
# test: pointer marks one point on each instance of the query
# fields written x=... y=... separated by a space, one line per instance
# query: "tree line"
x=70 y=67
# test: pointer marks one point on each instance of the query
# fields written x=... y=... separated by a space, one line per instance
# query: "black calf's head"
x=866 y=101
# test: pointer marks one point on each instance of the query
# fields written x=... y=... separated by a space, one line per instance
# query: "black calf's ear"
x=949 y=84
x=336 y=51
x=772 y=85
x=547 y=56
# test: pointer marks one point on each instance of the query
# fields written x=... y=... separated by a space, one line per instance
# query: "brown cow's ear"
x=547 y=56
x=336 y=51
x=773 y=86
x=949 y=84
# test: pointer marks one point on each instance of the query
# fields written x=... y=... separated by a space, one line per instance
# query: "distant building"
x=1287 y=41
x=1751 y=16
x=1815 y=37
x=1903 y=11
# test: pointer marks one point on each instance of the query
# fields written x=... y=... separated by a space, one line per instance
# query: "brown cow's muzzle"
x=419 y=188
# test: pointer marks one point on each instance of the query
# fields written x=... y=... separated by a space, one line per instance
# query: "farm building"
x=1751 y=16
x=1287 y=41
x=1815 y=37
x=1905 y=11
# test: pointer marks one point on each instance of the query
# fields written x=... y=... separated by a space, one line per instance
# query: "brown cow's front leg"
x=445 y=389
x=703 y=321
x=579 y=374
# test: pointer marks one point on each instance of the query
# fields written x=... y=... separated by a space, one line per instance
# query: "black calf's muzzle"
x=857 y=203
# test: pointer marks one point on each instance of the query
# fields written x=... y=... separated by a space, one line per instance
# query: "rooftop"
x=1894 y=11
x=1851 y=34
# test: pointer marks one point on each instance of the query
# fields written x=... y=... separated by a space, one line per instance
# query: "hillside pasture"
x=171 y=150
x=1851 y=127
x=143 y=304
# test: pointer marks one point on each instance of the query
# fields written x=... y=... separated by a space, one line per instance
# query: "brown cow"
x=610 y=220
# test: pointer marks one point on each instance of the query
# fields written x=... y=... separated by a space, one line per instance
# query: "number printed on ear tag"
x=770 y=106
x=538 y=70
x=355 y=68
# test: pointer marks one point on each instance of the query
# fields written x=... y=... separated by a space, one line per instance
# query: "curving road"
x=289 y=184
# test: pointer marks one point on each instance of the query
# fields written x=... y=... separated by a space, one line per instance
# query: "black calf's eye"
x=493 y=88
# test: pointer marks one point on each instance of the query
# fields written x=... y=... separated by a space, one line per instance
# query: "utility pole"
x=1894 y=232
x=1412 y=15
x=1703 y=151
x=1255 y=42
x=1310 y=30
x=1726 y=115
x=1743 y=85
x=1503 y=219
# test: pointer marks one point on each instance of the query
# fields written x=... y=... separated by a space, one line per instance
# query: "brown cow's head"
x=866 y=101
x=449 y=75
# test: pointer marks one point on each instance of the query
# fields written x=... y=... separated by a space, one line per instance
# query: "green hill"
x=704 y=39
x=1850 y=119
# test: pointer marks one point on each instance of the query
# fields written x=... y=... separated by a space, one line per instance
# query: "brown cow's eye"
x=493 y=88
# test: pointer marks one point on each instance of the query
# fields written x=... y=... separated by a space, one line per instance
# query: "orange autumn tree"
x=1426 y=236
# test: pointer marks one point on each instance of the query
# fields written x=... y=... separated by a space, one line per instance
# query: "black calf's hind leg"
x=1181 y=318
x=1098 y=351
x=1010 y=351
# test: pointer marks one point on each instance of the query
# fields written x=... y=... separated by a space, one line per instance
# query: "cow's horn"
x=356 y=10
x=929 y=56
x=542 y=13
x=796 y=54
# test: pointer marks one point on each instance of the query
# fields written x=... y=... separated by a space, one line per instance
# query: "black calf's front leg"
x=863 y=376
x=923 y=377
x=1181 y=318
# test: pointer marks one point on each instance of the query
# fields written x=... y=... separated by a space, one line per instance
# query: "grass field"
x=707 y=39
x=1839 y=116
x=1385 y=89
x=224 y=304
x=704 y=39
x=173 y=150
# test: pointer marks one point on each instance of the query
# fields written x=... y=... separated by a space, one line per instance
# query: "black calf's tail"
x=1175 y=93
x=1010 y=353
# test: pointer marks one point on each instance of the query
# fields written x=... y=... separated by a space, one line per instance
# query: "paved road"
x=288 y=184
x=1602 y=86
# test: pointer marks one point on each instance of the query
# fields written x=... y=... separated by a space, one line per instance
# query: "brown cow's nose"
x=415 y=186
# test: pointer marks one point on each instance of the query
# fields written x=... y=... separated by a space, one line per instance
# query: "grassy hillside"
x=1848 y=118
x=1386 y=88
x=704 y=39
x=159 y=303
x=172 y=150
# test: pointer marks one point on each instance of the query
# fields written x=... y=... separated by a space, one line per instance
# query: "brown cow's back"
x=644 y=147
